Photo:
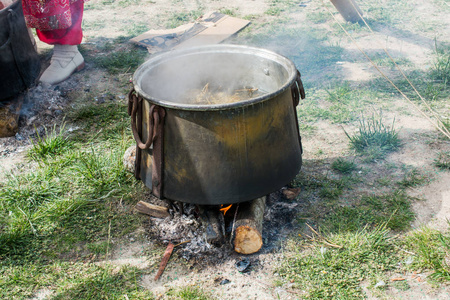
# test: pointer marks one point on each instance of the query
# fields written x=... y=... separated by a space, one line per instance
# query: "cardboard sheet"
x=213 y=28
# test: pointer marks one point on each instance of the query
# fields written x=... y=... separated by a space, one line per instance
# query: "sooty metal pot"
x=216 y=153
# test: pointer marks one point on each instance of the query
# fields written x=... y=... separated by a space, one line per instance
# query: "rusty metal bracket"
x=155 y=137
x=158 y=113
x=297 y=89
x=298 y=92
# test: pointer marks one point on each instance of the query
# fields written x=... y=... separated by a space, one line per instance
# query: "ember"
x=225 y=209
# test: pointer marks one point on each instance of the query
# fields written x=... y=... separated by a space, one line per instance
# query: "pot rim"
x=222 y=48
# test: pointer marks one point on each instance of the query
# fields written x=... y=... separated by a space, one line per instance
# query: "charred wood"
x=152 y=210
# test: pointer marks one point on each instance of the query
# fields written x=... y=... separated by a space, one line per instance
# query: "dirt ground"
x=329 y=141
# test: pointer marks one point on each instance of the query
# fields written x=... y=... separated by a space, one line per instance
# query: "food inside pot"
x=219 y=95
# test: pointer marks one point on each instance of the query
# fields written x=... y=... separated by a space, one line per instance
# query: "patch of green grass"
x=330 y=191
x=101 y=122
x=274 y=11
x=276 y=7
x=433 y=92
x=325 y=187
x=384 y=61
x=413 y=178
x=374 y=139
x=98 y=248
x=126 y=3
x=391 y=13
x=432 y=85
x=64 y=199
x=251 y=17
x=340 y=94
x=384 y=181
x=350 y=27
x=26 y=204
x=441 y=65
x=99 y=171
x=228 y=11
x=401 y=285
x=180 y=18
x=393 y=209
x=68 y=280
x=189 y=293
x=94 y=25
x=340 y=104
x=442 y=160
x=343 y=166
x=136 y=28
x=121 y=61
x=319 y=17
x=432 y=249
x=325 y=272
x=52 y=143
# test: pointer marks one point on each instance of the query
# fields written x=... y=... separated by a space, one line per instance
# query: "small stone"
x=19 y=137
x=225 y=281
x=242 y=266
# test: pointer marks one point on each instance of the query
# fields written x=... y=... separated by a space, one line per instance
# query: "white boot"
x=66 y=60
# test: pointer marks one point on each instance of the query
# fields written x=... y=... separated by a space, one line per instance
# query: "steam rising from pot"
x=174 y=79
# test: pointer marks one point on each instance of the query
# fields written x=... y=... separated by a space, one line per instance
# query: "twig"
x=165 y=260
x=406 y=251
x=109 y=239
x=181 y=243
x=327 y=242
x=234 y=223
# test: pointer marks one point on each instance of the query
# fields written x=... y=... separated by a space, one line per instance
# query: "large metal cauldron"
x=216 y=153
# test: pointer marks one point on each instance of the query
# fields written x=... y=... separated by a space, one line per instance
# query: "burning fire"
x=225 y=209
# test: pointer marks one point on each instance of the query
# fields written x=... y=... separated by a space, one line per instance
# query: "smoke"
x=171 y=76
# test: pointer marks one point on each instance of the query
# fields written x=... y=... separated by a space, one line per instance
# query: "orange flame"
x=225 y=209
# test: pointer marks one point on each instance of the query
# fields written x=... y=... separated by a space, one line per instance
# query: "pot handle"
x=297 y=89
x=298 y=92
x=156 y=115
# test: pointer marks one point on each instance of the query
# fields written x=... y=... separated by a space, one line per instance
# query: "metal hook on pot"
x=297 y=90
x=156 y=114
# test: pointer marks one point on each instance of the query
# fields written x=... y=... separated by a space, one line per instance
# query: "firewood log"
x=248 y=226
x=215 y=226
x=152 y=210
x=9 y=116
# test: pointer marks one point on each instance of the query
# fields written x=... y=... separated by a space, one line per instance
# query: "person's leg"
x=66 y=58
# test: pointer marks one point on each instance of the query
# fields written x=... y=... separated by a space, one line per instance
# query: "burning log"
x=152 y=210
x=248 y=226
x=214 y=223
x=9 y=116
